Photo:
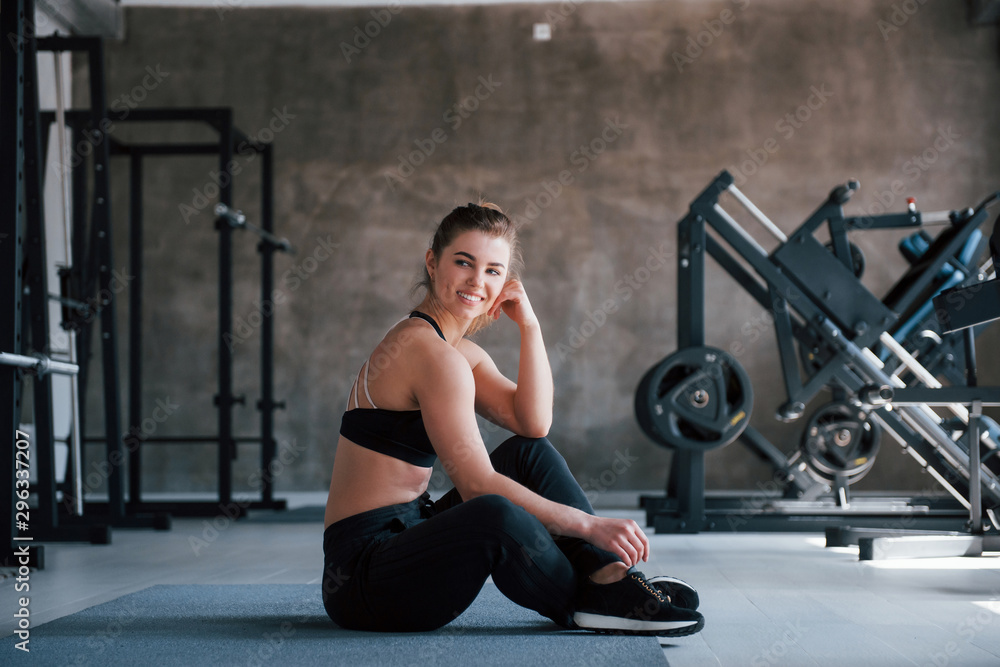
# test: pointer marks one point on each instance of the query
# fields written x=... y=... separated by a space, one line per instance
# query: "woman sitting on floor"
x=394 y=560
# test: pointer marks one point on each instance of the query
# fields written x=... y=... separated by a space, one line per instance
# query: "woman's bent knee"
x=506 y=519
x=523 y=445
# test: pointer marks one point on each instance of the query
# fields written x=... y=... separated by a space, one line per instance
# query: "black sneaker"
x=678 y=593
x=632 y=606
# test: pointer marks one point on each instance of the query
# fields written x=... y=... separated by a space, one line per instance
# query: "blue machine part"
x=913 y=247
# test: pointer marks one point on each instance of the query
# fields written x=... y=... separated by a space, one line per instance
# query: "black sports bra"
x=396 y=433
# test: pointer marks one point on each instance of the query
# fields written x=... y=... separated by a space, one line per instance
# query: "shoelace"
x=655 y=592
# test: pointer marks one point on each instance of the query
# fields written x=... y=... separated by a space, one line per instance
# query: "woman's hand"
x=622 y=537
x=513 y=301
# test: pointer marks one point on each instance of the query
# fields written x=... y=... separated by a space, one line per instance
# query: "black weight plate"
x=840 y=439
x=697 y=398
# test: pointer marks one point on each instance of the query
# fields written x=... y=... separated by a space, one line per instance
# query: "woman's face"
x=470 y=273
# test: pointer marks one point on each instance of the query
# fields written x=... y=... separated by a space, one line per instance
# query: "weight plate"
x=840 y=439
x=697 y=398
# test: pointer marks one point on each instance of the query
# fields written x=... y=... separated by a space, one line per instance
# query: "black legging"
x=418 y=565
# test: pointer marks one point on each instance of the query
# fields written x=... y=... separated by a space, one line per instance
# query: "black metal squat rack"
x=25 y=295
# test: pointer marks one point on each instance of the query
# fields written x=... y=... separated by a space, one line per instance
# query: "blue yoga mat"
x=250 y=625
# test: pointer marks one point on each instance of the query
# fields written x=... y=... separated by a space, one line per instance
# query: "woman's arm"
x=445 y=389
x=534 y=394
x=526 y=407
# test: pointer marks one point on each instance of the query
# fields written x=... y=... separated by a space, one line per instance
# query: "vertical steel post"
x=135 y=331
x=225 y=399
x=268 y=448
x=108 y=286
x=12 y=201
x=37 y=279
x=691 y=281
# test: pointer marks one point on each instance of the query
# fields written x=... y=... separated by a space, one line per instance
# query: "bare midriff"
x=364 y=480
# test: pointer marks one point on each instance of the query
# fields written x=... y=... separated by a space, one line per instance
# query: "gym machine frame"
x=836 y=316
x=958 y=309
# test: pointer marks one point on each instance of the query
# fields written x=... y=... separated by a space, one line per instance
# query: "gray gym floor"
x=769 y=599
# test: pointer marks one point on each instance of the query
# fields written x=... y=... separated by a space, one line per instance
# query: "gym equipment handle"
x=237 y=220
x=41 y=365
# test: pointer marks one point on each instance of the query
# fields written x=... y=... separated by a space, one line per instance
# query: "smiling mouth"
x=470 y=297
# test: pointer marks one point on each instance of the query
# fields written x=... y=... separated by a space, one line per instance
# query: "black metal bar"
x=101 y=219
x=753 y=439
x=225 y=399
x=735 y=269
x=214 y=116
x=189 y=508
x=268 y=449
x=778 y=522
x=687 y=487
x=941 y=396
x=181 y=439
x=12 y=203
x=968 y=306
x=170 y=149
x=886 y=221
x=57 y=43
x=84 y=270
x=135 y=330
x=37 y=280
x=691 y=282
x=209 y=115
x=786 y=344
x=819 y=379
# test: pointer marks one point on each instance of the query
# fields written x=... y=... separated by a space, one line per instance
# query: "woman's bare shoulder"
x=414 y=348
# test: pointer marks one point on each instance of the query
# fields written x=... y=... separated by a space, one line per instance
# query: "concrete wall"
x=635 y=106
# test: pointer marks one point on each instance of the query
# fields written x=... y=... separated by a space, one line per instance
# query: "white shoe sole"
x=598 y=622
x=670 y=580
